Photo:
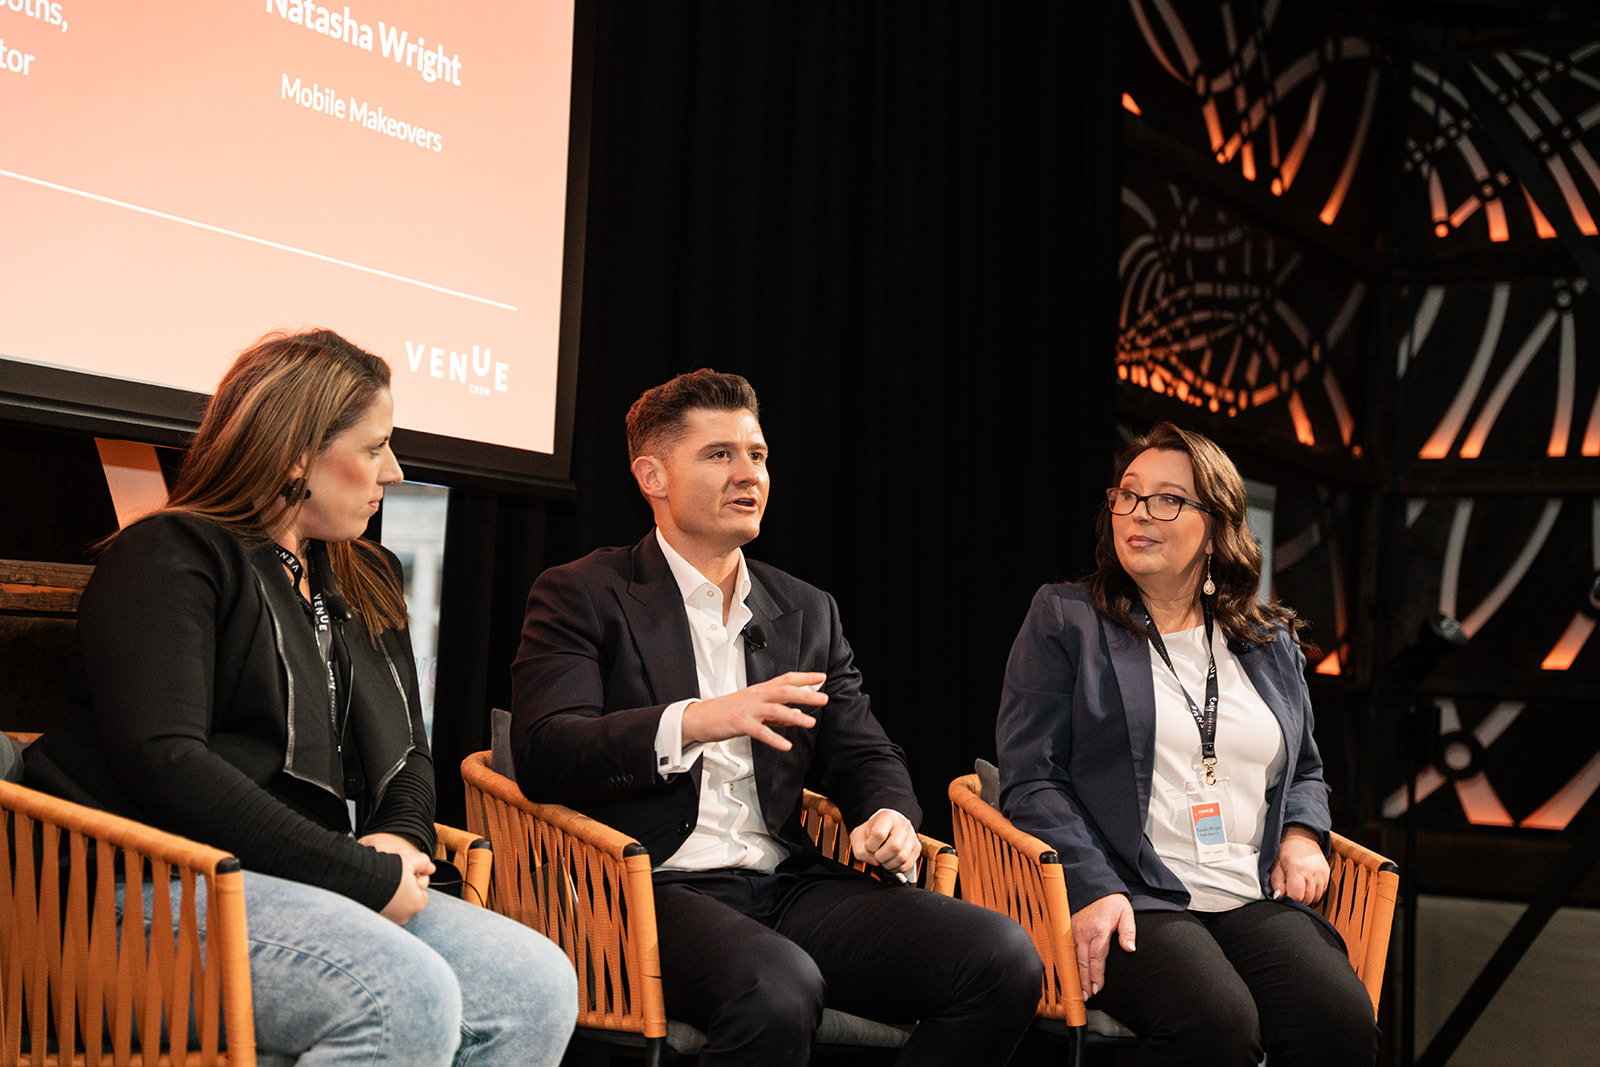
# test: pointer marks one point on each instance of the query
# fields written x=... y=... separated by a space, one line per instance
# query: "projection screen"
x=178 y=178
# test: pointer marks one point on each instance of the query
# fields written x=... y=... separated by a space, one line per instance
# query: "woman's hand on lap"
x=415 y=867
x=1301 y=870
x=1093 y=928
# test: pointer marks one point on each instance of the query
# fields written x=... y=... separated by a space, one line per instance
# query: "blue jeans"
x=335 y=983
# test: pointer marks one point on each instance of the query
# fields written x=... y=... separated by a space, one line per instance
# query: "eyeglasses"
x=1163 y=506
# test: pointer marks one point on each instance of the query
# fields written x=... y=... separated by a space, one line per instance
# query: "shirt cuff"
x=671 y=757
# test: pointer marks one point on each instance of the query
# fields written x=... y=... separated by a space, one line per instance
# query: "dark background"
x=964 y=251
x=892 y=218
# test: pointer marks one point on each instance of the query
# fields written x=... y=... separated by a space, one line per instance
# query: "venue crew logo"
x=478 y=370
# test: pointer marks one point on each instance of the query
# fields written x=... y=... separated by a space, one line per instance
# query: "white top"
x=1251 y=757
x=731 y=830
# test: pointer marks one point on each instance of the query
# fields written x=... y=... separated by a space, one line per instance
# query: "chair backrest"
x=70 y=981
x=1016 y=874
x=72 y=990
x=1362 y=886
x=584 y=886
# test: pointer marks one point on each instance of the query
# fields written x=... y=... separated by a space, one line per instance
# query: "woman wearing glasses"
x=1156 y=731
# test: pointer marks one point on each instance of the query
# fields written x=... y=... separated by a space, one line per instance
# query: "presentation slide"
x=179 y=177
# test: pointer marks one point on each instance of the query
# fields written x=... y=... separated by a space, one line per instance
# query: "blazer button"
x=684 y=827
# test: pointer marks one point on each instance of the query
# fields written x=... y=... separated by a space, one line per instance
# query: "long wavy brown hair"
x=285 y=398
x=1235 y=558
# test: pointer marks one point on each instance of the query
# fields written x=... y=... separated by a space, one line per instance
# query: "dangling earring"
x=1209 y=588
x=295 y=492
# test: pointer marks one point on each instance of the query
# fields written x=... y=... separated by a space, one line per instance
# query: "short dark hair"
x=656 y=420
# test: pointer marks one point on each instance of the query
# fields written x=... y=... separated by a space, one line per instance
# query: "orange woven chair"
x=1359 y=902
x=65 y=971
x=1007 y=870
x=587 y=887
x=471 y=855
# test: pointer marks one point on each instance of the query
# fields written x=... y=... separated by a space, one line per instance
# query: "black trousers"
x=753 y=959
x=1223 y=987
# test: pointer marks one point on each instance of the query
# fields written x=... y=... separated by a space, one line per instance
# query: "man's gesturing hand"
x=755 y=709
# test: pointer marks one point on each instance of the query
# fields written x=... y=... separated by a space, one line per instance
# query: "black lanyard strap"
x=322 y=623
x=1206 y=720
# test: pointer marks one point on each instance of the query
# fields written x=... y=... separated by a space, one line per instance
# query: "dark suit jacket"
x=1076 y=737
x=606 y=647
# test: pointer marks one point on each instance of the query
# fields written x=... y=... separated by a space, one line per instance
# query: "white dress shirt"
x=731 y=830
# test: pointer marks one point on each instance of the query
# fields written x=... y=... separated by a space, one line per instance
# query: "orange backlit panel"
x=1570 y=644
x=1559 y=810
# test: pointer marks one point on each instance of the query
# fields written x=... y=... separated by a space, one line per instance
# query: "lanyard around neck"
x=319 y=609
x=1206 y=720
x=322 y=623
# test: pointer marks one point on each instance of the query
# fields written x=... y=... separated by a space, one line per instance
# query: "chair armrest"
x=1359 y=902
x=62 y=960
x=1018 y=875
x=583 y=885
x=473 y=857
x=941 y=864
x=824 y=822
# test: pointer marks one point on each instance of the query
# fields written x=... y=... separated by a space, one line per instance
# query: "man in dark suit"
x=685 y=695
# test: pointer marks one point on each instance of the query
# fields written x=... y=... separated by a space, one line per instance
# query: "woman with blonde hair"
x=250 y=684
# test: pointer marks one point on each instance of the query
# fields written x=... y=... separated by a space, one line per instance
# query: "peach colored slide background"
x=177 y=107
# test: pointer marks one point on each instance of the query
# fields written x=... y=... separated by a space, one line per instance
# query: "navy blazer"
x=606 y=647
x=1076 y=740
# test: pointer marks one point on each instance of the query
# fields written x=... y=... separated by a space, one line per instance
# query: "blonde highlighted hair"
x=285 y=399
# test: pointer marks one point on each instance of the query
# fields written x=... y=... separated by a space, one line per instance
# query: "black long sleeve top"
x=204 y=711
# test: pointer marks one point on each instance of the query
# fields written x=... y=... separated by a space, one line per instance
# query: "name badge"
x=1209 y=816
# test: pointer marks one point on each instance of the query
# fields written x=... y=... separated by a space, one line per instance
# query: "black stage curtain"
x=899 y=221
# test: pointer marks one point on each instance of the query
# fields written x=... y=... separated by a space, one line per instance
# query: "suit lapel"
x=782 y=633
x=653 y=605
x=781 y=654
x=1130 y=658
